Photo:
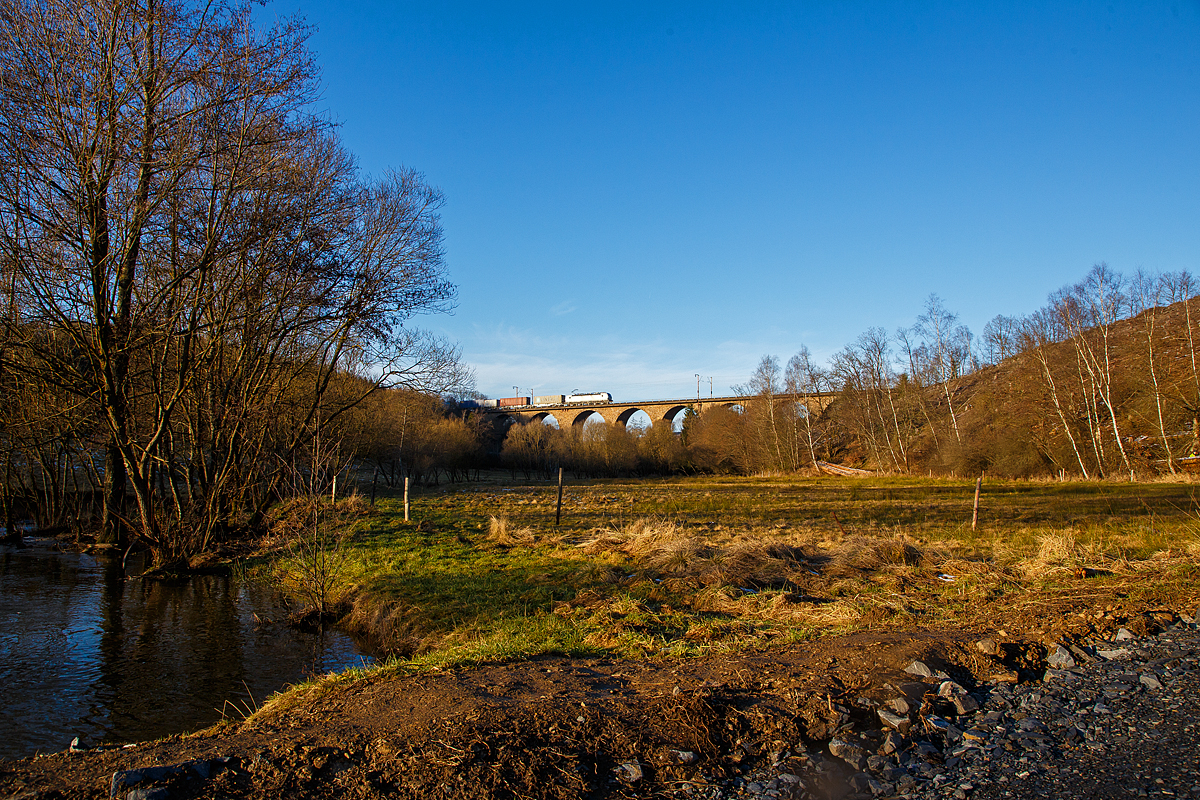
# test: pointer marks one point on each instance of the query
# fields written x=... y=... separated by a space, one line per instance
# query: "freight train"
x=540 y=400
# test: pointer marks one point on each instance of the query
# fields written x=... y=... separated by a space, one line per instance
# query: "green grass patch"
x=687 y=566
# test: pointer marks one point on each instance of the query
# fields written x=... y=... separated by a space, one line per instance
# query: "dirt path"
x=564 y=728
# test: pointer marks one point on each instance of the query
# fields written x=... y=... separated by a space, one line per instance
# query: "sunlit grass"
x=679 y=567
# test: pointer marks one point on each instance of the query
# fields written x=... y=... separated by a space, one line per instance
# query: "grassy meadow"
x=685 y=566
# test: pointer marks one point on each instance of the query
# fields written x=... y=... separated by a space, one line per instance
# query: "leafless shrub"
x=314 y=528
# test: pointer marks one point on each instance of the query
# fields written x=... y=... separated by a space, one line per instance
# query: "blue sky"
x=639 y=192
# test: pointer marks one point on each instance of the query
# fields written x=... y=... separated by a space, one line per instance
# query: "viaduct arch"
x=573 y=416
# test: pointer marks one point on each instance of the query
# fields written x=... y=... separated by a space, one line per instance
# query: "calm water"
x=87 y=651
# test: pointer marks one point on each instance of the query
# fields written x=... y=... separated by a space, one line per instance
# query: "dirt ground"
x=555 y=727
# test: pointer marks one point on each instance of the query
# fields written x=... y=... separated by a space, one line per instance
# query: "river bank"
x=89 y=649
x=793 y=721
x=543 y=660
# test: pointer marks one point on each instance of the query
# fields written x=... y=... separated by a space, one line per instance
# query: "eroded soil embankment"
x=555 y=727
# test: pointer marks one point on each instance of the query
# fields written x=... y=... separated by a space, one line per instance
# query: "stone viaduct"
x=571 y=416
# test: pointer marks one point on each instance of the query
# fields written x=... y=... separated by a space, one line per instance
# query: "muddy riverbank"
x=800 y=720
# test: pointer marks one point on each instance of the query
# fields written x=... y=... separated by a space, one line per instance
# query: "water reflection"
x=86 y=651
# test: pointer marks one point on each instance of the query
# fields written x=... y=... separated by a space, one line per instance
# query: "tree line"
x=1102 y=381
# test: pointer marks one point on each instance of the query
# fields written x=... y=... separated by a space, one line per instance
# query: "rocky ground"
x=1110 y=718
x=1101 y=702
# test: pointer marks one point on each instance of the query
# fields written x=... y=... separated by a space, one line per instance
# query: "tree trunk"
x=112 y=525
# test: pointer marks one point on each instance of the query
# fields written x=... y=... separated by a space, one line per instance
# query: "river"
x=87 y=650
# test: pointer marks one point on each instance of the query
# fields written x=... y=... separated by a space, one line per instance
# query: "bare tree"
x=944 y=342
x=1039 y=332
x=1181 y=287
x=1000 y=338
x=802 y=380
x=1090 y=309
x=765 y=386
x=1145 y=292
x=864 y=371
x=170 y=207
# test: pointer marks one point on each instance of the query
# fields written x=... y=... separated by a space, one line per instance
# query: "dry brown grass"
x=1066 y=551
x=751 y=560
x=696 y=565
x=502 y=532
x=757 y=562
x=295 y=515
x=393 y=627
x=859 y=554
x=683 y=555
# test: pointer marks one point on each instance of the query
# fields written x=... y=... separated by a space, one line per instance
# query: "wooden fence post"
x=975 y=513
x=558 y=510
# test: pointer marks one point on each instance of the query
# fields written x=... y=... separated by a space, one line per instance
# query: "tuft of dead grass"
x=392 y=627
x=685 y=555
x=502 y=532
x=860 y=554
x=755 y=561
x=1066 y=551
x=759 y=563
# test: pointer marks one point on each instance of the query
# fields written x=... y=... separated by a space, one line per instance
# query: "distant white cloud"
x=565 y=307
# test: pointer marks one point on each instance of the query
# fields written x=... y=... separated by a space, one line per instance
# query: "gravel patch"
x=1115 y=718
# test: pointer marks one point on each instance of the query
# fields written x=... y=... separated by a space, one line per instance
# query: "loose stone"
x=920 y=669
x=1060 y=658
x=901 y=724
x=630 y=771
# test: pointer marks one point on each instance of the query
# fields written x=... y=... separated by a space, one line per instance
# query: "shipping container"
x=505 y=402
x=488 y=403
x=549 y=400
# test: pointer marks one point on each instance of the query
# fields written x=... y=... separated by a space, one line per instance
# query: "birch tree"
x=1145 y=292
x=944 y=347
x=803 y=380
x=1090 y=309
x=1182 y=287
